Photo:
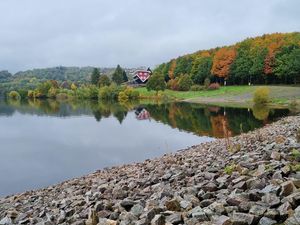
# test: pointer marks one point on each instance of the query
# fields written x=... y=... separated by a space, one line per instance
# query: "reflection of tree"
x=198 y=119
x=260 y=112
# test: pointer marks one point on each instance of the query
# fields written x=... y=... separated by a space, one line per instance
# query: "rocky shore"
x=253 y=178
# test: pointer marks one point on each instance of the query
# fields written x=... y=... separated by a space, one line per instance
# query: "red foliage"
x=213 y=86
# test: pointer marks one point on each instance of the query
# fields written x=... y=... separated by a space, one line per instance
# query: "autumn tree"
x=221 y=62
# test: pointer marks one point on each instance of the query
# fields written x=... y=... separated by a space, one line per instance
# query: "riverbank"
x=236 y=96
x=253 y=178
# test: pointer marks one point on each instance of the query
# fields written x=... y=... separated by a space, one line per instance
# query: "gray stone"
x=137 y=210
x=258 y=210
x=174 y=218
x=221 y=220
x=271 y=200
x=266 y=221
x=158 y=220
x=242 y=218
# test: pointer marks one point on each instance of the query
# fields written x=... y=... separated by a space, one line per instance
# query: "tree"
x=201 y=69
x=240 y=68
x=185 y=82
x=287 y=64
x=156 y=83
x=125 y=78
x=95 y=76
x=118 y=76
x=104 y=81
x=222 y=61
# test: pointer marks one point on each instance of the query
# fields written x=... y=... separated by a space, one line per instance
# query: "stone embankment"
x=253 y=178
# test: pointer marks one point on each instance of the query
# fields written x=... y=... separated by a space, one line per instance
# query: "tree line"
x=267 y=59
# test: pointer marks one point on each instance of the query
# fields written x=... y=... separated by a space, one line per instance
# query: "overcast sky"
x=46 y=33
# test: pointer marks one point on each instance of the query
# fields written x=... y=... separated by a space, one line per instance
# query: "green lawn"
x=240 y=95
x=228 y=91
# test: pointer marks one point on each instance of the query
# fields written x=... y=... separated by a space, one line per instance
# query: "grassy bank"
x=231 y=95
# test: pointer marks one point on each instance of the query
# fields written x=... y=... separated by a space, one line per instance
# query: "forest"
x=267 y=59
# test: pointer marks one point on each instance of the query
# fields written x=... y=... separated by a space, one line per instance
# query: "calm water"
x=45 y=142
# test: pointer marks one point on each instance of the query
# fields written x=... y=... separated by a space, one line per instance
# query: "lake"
x=46 y=142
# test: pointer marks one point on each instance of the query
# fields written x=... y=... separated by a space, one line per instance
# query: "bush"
x=156 y=83
x=52 y=92
x=214 y=86
x=173 y=84
x=197 y=87
x=14 y=95
x=185 y=82
x=206 y=83
x=131 y=93
x=261 y=95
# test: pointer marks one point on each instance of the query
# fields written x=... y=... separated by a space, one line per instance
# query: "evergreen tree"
x=118 y=76
x=125 y=78
x=95 y=76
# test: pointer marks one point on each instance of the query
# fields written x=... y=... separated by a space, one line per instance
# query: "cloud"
x=131 y=33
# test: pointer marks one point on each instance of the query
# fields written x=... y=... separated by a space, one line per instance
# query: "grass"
x=241 y=96
x=228 y=91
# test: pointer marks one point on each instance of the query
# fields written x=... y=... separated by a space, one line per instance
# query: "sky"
x=132 y=33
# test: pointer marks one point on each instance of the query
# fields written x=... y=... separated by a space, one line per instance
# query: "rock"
x=221 y=220
x=173 y=205
x=284 y=209
x=186 y=205
x=275 y=155
x=271 y=213
x=287 y=188
x=258 y=210
x=93 y=218
x=271 y=200
x=99 y=206
x=242 y=218
x=174 y=218
x=158 y=220
x=6 y=220
x=137 y=210
x=198 y=213
x=127 y=204
x=210 y=187
x=267 y=221
x=106 y=222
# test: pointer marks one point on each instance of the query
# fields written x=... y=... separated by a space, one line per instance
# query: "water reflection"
x=202 y=120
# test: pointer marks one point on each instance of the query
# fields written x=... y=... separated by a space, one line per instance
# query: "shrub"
x=206 y=83
x=173 y=84
x=214 y=86
x=14 y=95
x=229 y=169
x=131 y=93
x=261 y=95
x=185 y=82
x=197 y=87
x=93 y=92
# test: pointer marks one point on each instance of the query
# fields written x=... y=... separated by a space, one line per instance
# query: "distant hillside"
x=61 y=73
x=270 y=58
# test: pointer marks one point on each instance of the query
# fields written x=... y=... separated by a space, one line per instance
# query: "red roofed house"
x=142 y=76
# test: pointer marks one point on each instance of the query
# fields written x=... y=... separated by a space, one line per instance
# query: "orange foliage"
x=172 y=68
x=223 y=58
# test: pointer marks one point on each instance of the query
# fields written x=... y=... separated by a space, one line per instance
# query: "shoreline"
x=251 y=177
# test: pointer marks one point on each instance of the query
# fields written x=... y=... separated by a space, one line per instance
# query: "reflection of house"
x=141 y=76
x=142 y=114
